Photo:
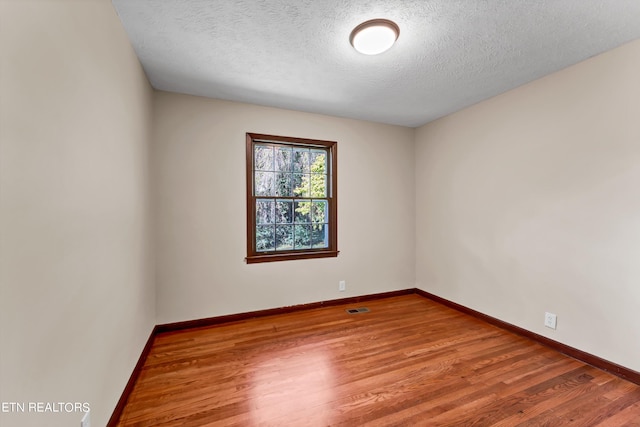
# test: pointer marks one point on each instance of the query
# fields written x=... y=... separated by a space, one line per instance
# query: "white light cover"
x=375 y=38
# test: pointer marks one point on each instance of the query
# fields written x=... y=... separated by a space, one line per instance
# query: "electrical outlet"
x=86 y=420
x=342 y=286
x=550 y=320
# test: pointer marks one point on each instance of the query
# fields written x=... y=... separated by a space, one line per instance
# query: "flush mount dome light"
x=374 y=36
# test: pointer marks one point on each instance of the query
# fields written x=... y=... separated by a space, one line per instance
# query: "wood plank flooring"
x=409 y=361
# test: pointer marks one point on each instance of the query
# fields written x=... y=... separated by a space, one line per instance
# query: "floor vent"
x=357 y=310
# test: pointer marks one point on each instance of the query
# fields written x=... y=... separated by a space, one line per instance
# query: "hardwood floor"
x=409 y=361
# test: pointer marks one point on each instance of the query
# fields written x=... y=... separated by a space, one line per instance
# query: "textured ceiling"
x=295 y=54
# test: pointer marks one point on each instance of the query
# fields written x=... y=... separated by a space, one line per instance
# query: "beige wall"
x=529 y=202
x=199 y=171
x=76 y=289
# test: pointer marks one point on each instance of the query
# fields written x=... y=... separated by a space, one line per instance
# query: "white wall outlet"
x=86 y=420
x=342 y=286
x=550 y=320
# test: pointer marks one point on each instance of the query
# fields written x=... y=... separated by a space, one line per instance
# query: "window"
x=291 y=198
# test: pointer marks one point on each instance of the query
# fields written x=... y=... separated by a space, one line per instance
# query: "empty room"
x=319 y=213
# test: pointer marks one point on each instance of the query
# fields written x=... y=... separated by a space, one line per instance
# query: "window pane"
x=318 y=185
x=284 y=211
x=265 y=239
x=283 y=184
x=319 y=211
x=320 y=236
x=301 y=160
x=318 y=161
x=263 y=158
x=283 y=159
x=301 y=185
x=284 y=237
x=303 y=211
x=302 y=238
x=264 y=211
x=264 y=183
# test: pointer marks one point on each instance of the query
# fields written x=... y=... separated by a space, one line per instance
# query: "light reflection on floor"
x=291 y=386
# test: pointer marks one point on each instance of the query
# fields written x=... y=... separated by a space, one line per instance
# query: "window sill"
x=254 y=259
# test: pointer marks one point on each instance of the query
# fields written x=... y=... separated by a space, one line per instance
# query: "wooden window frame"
x=254 y=256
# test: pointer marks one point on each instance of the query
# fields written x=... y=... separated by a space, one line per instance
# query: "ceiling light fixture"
x=375 y=36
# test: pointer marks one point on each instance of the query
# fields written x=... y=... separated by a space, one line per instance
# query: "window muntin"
x=291 y=198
